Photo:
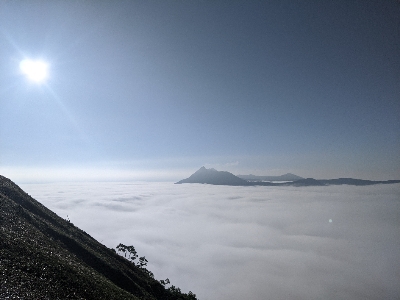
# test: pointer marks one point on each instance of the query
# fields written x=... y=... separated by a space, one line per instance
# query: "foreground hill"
x=43 y=256
x=212 y=176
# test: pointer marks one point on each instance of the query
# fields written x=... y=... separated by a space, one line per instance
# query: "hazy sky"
x=335 y=242
x=156 y=89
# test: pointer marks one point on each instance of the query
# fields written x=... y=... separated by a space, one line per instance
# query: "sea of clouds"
x=224 y=242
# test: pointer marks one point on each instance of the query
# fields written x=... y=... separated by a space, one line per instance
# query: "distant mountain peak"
x=212 y=176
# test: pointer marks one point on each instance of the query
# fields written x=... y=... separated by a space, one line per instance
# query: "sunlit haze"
x=165 y=87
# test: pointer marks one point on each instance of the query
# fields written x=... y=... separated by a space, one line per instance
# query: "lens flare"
x=35 y=70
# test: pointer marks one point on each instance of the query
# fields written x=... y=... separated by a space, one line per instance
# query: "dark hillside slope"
x=43 y=256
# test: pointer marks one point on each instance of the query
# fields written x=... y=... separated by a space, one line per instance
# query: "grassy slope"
x=43 y=256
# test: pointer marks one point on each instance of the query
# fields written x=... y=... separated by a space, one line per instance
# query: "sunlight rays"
x=35 y=70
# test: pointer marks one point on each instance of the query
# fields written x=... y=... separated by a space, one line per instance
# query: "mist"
x=224 y=242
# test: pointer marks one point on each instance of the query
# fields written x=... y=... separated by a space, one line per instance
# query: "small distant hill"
x=43 y=256
x=285 y=177
x=212 y=176
x=305 y=182
x=353 y=181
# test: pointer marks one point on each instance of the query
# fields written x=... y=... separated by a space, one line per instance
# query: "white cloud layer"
x=247 y=242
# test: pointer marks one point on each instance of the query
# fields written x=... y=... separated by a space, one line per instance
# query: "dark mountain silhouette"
x=212 y=176
x=285 y=177
x=43 y=256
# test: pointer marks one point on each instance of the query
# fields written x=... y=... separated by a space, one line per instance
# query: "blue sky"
x=156 y=89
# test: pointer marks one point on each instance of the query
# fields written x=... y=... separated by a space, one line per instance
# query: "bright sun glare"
x=35 y=70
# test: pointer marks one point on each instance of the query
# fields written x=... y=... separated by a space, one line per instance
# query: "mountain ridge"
x=212 y=176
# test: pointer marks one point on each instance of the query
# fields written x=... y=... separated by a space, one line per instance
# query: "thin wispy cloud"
x=247 y=242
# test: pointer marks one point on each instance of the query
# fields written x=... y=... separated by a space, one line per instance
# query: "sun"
x=35 y=70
